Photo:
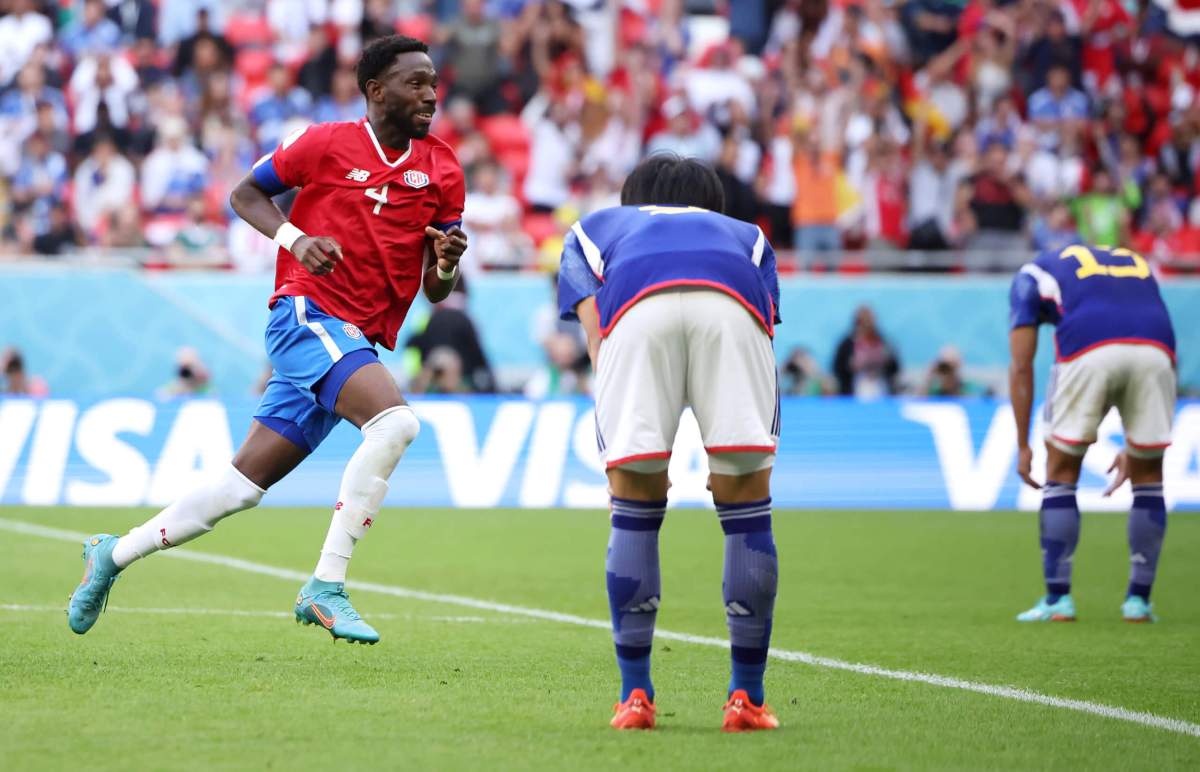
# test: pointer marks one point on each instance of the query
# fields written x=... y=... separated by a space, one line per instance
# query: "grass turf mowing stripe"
x=1007 y=692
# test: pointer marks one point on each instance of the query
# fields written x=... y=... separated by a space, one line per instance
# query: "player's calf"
x=634 y=586
x=1147 y=528
x=751 y=580
x=1058 y=525
x=195 y=513
x=364 y=485
x=323 y=600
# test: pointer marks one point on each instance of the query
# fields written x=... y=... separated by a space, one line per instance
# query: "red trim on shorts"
x=1071 y=442
x=1115 y=341
x=768 y=327
x=1160 y=446
x=638 y=457
x=741 y=449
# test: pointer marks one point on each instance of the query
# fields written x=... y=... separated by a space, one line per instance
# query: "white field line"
x=233 y=612
x=1008 y=692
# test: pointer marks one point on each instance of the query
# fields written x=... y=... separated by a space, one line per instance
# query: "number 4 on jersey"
x=378 y=195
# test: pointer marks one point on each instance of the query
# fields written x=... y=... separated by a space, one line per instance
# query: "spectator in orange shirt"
x=814 y=213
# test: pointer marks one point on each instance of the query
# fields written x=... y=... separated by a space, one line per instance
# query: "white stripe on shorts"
x=335 y=353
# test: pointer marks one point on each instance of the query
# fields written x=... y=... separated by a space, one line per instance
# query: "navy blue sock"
x=633 y=588
x=1147 y=527
x=1058 y=523
x=750 y=582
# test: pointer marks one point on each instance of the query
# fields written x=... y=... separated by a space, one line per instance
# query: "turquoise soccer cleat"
x=1062 y=610
x=99 y=573
x=327 y=604
x=1137 y=609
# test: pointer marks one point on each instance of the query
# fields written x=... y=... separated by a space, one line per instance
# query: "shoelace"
x=89 y=602
x=341 y=603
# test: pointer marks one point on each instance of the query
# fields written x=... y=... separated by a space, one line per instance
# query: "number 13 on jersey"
x=1090 y=266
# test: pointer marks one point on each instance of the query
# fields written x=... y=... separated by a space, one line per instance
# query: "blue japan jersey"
x=1093 y=296
x=624 y=253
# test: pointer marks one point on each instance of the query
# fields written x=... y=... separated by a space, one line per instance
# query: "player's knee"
x=237 y=493
x=1145 y=466
x=394 y=429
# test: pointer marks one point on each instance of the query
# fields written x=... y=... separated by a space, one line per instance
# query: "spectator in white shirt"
x=102 y=78
x=492 y=220
x=104 y=184
x=686 y=134
x=718 y=83
x=552 y=158
x=174 y=172
x=22 y=29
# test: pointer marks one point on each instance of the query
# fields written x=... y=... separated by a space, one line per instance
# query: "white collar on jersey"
x=379 y=148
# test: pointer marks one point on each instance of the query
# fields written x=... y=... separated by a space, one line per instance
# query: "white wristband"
x=443 y=275
x=287 y=235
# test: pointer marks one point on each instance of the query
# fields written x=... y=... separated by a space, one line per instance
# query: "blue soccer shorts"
x=313 y=355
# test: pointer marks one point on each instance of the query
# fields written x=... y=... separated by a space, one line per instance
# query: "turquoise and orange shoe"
x=1137 y=609
x=99 y=573
x=327 y=604
x=1062 y=610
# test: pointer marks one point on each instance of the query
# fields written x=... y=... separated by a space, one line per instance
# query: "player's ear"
x=374 y=90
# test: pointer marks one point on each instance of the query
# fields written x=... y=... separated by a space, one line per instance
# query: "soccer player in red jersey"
x=377 y=218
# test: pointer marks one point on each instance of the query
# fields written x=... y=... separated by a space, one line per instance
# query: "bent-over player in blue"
x=680 y=303
x=1115 y=347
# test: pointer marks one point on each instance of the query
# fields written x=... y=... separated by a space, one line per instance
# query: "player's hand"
x=1025 y=465
x=448 y=247
x=318 y=254
x=1120 y=465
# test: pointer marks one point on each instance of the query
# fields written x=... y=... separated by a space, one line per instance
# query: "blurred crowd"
x=444 y=354
x=839 y=125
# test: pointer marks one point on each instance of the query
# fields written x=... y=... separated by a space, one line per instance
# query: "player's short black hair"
x=379 y=54
x=668 y=180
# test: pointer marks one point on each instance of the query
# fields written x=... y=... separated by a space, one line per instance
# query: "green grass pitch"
x=219 y=677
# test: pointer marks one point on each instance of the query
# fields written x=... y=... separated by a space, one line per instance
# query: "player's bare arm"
x=446 y=250
x=589 y=317
x=1022 y=342
x=318 y=254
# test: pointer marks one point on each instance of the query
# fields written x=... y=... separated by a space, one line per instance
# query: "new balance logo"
x=358 y=175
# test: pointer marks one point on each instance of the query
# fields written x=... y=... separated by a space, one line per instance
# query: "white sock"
x=364 y=484
x=190 y=516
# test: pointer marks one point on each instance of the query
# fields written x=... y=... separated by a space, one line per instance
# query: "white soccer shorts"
x=684 y=347
x=1139 y=380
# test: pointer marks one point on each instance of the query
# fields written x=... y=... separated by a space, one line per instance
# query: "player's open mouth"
x=424 y=117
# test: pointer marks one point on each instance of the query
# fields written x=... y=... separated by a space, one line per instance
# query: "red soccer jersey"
x=376 y=203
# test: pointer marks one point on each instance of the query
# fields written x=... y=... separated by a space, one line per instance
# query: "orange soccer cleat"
x=637 y=712
x=742 y=715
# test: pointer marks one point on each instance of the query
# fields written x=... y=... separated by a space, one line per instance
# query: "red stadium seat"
x=504 y=132
x=247 y=29
x=540 y=227
x=419 y=27
x=252 y=64
x=516 y=163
